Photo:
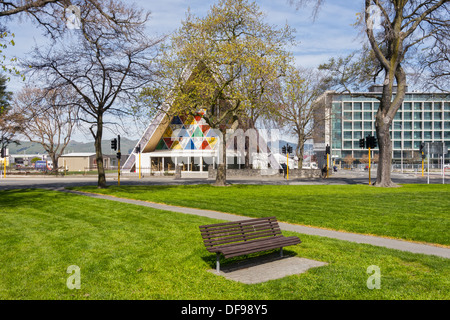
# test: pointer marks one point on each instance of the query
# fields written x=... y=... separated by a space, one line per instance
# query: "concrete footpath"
x=352 y=237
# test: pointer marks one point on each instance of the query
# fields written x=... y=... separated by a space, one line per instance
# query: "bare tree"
x=296 y=110
x=47 y=118
x=8 y=124
x=395 y=30
x=104 y=66
x=54 y=16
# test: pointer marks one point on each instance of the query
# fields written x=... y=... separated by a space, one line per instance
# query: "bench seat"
x=243 y=237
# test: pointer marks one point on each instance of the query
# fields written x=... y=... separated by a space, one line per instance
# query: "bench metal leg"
x=218 y=263
x=281 y=252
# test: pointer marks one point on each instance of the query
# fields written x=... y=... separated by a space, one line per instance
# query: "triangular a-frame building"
x=190 y=142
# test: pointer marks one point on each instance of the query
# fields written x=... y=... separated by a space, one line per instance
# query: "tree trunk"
x=55 y=164
x=98 y=153
x=221 y=176
x=385 y=154
x=300 y=152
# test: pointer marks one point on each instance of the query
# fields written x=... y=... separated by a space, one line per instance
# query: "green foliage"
x=215 y=62
x=129 y=252
x=412 y=212
x=7 y=39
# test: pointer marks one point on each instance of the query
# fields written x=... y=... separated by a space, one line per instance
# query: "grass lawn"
x=131 y=252
x=412 y=212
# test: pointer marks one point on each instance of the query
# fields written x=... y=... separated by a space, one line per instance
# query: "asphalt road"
x=339 y=178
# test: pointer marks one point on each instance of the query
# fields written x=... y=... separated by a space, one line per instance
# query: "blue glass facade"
x=423 y=117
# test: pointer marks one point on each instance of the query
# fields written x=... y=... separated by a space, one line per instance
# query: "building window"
x=347 y=135
x=427 y=115
x=367 y=115
x=417 y=115
x=347 y=125
x=438 y=106
x=357 y=116
x=427 y=105
x=398 y=135
x=418 y=106
x=407 y=106
x=438 y=126
x=417 y=125
x=347 y=116
x=446 y=105
x=407 y=144
x=407 y=135
x=367 y=125
x=427 y=126
x=417 y=135
x=357 y=125
x=348 y=106
x=427 y=135
x=407 y=116
x=347 y=145
x=357 y=106
x=438 y=116
x=407 y=125
x=397 y=144
x=367 y=106
x=438 y=135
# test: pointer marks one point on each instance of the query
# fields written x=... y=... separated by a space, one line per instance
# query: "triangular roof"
x=157 y=128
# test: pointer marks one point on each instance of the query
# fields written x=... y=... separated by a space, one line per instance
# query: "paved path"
x=353 y=237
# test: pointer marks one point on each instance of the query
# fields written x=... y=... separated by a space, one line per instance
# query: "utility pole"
x=428 y=163
x=287 y=149
x=370 y=143
x=138 y=151
x=328 y=151
x=3 y=154
x=118 y=162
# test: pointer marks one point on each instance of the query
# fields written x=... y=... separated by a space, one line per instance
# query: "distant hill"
x=26 y=147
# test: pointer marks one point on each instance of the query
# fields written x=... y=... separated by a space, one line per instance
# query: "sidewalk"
x=352 y=237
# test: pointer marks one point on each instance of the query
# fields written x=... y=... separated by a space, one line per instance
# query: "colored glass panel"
x=197 y=132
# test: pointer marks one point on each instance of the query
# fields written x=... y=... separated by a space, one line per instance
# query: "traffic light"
x=3 y=152
x=289 y=149
x=118 y=155
x=374 y=142
x=114 y=144
x=327 y=149
x=422 y=147
x=283 y=149
x=362 y=143
x=371 y=142
x=138 y=149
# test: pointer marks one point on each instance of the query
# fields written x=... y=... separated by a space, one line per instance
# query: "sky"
x=330 y=34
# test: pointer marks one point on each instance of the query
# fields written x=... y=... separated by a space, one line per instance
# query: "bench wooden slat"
x=238 y=238
x=234 y=222
x=238 y=228
x=238 y=251
x=245 y=236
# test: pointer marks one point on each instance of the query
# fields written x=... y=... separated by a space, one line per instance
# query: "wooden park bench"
x=244 y=237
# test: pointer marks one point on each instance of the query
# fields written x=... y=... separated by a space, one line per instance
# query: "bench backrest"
x=238 y=231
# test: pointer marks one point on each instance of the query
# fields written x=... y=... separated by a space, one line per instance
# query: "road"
x=339 y=178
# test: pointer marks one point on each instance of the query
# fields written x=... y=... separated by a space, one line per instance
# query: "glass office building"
x=423 y=117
